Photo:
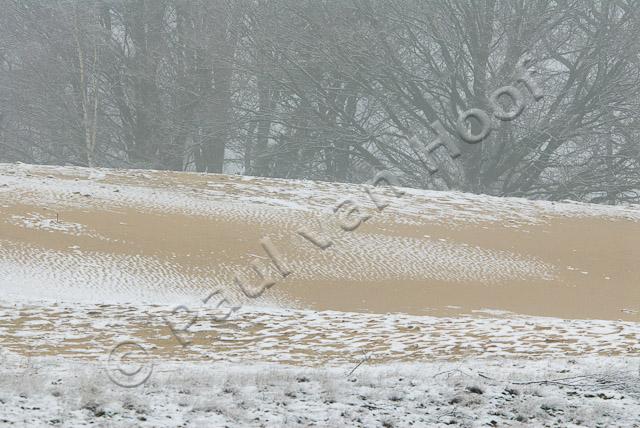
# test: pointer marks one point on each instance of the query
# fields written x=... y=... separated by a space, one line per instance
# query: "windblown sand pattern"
x=432 y=275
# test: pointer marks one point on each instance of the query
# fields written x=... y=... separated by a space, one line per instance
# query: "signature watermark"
x=126 y=363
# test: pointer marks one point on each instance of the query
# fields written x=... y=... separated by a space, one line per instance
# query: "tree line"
x=329 y=90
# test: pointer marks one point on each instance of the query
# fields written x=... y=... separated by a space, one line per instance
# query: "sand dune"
x=463 y=275
x=153 y=237
x=110 y=270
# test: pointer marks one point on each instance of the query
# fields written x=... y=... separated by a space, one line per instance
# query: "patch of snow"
x=560 y=392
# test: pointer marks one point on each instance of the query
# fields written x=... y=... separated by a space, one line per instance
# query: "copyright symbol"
x=128 y=365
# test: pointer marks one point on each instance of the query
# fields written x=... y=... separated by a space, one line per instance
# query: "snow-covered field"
x=601 y=392
x=454 y=308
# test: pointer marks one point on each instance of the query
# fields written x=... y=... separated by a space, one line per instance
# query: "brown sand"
x=595 y=267
x=600 y=246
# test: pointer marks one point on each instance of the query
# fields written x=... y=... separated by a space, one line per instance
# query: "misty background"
x=327 y=90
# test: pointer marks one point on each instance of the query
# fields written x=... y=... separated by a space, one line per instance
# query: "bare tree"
x=331 y=90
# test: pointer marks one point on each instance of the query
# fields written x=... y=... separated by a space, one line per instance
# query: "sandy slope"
x=90 y=259
x=132 y=236
x=483 y=269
